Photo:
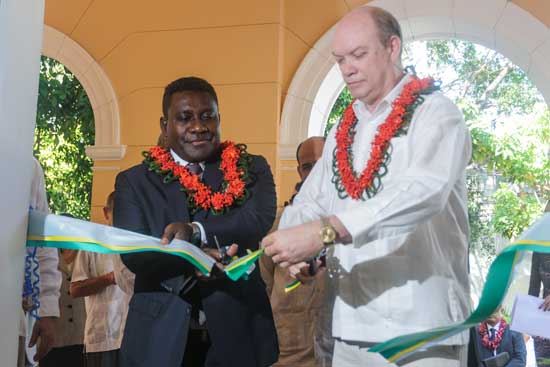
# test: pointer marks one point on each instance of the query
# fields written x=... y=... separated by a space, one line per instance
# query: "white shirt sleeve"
x=50 y=276
x=204 y=239
x=440 y=150
x=82 y=265
x=124 y=278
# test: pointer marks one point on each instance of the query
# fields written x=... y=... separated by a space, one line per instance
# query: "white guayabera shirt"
x=50 y=276
x=106 y=310
x=406 y=269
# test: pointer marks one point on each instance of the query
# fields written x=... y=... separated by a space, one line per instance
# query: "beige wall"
x=249 y=50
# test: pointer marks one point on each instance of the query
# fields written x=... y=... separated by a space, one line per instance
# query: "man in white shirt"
x=106 y=303
x=397 y=235
x=43 y=333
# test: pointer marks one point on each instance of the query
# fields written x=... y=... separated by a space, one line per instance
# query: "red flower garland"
x=483 y=329
x=233 y=165
x=396 y=122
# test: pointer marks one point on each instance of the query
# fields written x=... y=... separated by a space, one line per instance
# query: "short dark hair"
x=187 y=84
x=387 y=25
x=111 y=201
x=300 y=145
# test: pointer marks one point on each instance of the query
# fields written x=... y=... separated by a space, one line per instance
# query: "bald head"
x=309 y=152
x=386 y=25
x=367 y=47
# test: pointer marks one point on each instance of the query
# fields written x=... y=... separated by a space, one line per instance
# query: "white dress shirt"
x=106 y=310
x=183 y=162
x=406 y=268
x=496 y=328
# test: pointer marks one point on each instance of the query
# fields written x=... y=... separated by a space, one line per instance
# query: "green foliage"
x=480 y=212
x=337 y=111
x=64 y=126
x=513 y=212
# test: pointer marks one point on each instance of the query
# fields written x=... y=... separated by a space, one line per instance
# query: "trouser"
x=21 y=356
x=354 y=354
x=102 y=359
x=196 y=350
x=70 y=356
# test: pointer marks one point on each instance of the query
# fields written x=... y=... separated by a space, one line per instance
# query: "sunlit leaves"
x=64 y=126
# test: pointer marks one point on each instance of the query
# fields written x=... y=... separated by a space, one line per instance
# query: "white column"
x=21 y=23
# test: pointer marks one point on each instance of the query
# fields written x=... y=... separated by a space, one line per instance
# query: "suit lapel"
x=176 y=199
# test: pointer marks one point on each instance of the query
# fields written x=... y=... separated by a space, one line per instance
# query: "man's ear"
x=395 y=49
x=163 y=122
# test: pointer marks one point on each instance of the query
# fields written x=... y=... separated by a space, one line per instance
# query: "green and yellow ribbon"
x=49 y=230
x=499 y=278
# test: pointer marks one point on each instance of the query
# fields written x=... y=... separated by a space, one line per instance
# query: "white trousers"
x=356 y=355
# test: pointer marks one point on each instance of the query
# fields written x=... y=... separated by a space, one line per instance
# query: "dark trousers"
x=198 y=344
x=102 y=359
x=70 y=356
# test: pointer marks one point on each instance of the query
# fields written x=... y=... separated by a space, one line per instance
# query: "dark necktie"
x=492 y=333
x=194 y=168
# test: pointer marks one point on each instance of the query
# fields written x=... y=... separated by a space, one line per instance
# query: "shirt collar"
x=496 y=327
x=361 y=110
x=182 y=162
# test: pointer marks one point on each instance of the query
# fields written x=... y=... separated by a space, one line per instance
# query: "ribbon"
x=499 y=278
x=49 y=230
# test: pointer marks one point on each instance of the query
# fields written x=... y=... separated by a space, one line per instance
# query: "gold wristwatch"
x=327 y=233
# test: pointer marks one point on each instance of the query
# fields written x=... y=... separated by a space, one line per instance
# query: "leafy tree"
x=510 y=129
x=64 y=126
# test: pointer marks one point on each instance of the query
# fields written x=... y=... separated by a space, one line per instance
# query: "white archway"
x=491 y=23
x=98 y=87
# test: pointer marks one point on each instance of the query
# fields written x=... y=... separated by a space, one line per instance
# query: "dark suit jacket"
x=239 y=318
x=512 y=342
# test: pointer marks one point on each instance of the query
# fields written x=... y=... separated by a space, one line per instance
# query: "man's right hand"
x=218 y=270
x=178 y=230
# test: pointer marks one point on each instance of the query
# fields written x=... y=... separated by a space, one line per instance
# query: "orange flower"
x=396 y=122
x=200 y=195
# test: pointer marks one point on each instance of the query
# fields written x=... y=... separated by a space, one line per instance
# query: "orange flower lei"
x=234 y=165
x=347 y=182
x=483 y=330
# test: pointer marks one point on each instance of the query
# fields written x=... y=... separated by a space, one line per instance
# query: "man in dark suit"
x=492 y=337
x=169 y=295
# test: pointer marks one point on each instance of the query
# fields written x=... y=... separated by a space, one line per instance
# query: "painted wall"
x=20 y=44
x=248 y=49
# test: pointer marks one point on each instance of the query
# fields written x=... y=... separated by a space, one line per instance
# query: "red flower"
x=161 y=160
x=356 y=186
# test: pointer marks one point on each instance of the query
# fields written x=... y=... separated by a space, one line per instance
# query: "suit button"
x=70 y=306
x=71 y=319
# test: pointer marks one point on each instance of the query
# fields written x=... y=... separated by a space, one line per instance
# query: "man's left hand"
x=293 y=245
x=44 y=328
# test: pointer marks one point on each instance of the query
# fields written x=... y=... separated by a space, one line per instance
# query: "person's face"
x=494 y=318
x=191 y=128
x=366 y=64
x=108 y=214
x=309 y=153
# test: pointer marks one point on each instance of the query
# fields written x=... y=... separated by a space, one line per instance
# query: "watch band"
x=328 y=233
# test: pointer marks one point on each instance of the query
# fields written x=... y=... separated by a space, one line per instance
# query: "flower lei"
x=234 y=165
x=483 y=329
x=347 y=182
